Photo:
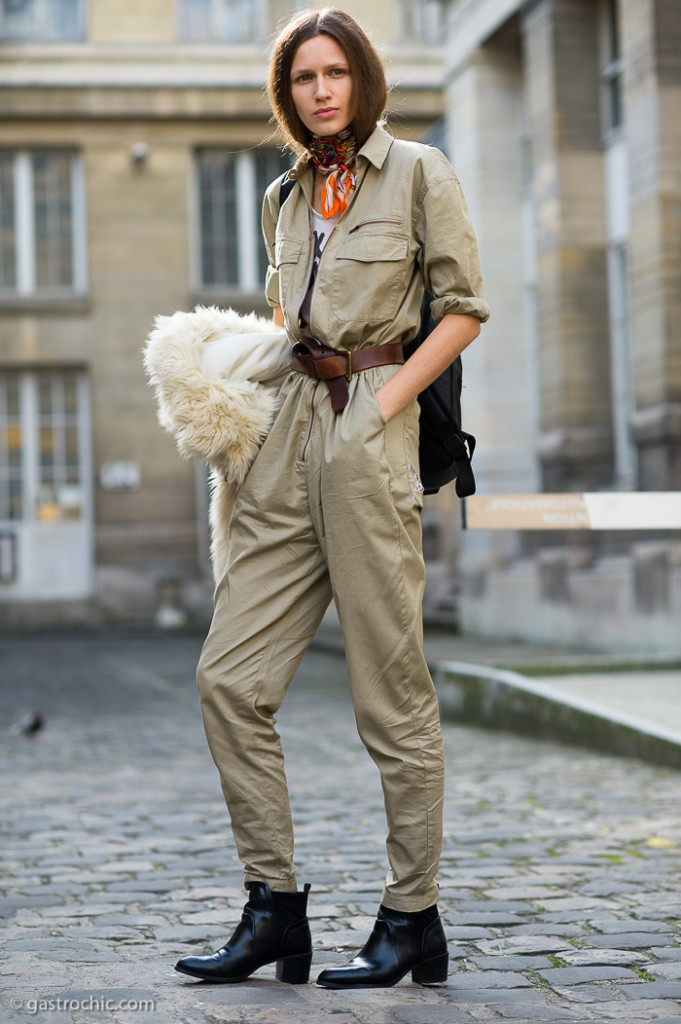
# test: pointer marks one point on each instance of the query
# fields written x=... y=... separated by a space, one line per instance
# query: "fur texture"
x=222 y=498
x=205 y=399
x=217 y=393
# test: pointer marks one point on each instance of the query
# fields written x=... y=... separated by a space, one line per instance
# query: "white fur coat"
x=216 y=376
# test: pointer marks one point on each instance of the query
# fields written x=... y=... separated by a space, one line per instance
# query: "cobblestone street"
x=560 y=884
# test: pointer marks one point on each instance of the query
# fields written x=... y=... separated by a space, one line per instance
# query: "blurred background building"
x=565 y=127
x=132 y=166
x=132 y=169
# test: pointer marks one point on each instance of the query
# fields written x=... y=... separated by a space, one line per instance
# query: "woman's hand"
x=451 y=336
x=278 y=316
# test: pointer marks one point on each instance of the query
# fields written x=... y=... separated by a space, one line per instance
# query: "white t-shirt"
x=322 y=230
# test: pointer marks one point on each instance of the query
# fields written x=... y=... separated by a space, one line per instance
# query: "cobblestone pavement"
x=560 y=879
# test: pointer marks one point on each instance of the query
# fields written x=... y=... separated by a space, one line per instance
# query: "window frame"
x=47 y=551
x=26 y=288
x=247 y=211
x=33 y=473
x=611 y=74
x=40 y=33
x=419 y=30
x=267 y=13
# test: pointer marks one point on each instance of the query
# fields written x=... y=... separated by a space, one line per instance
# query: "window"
x=611 y=74
x=42 y=20
x=41 y=224
x=230 y=190
x=233 y=21
x=46 y=539
x=8 y=263
x=421 y=21
x=59 y=475
x=11 y=458
x=269 y=164
x=617 y=200
x=42 y=445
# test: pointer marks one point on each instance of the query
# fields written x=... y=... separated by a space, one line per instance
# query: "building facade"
x=565 y=127
x=134 y=149
x=135 y=146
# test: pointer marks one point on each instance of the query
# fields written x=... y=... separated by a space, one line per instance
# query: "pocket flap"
x=373 y=248
x=287 y=250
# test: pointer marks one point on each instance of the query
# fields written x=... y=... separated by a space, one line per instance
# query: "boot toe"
x=332 y=977
x=208 y=968
x=357 y=974
x=191 y=965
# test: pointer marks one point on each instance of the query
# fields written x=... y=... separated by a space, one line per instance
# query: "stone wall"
x=531 y=153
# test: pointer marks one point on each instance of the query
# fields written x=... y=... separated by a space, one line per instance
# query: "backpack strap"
x=444 y=446
x=285 y=189
x=465 y=480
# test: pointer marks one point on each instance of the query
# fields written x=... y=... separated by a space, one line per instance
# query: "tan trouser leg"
x=267 y=609
x=370 y=504
x=339 y=489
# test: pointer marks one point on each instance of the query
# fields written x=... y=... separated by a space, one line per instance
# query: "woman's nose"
x=321 y=87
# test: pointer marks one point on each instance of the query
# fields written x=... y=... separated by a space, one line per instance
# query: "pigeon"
x=28 y=725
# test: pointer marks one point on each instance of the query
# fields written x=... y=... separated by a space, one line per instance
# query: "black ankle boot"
x=400 y=942
x=273 y=927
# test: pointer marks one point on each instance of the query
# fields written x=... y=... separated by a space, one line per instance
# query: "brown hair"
x=369 y=89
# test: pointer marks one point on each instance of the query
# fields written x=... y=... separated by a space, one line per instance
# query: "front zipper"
x=309 y=431
x=364 y=224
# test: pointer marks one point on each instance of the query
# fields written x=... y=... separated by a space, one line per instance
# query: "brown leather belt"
x=337 y=368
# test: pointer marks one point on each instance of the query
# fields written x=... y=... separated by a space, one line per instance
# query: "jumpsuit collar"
x=374 y=151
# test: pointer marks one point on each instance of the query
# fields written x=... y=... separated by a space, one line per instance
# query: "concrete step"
x=628 y=705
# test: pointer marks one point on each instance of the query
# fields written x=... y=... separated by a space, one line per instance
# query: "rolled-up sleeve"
x=451 y=262
x=272 y=286
x=270 y=214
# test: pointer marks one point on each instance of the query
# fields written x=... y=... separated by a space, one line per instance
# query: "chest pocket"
x=287 y=253
x=371 y=274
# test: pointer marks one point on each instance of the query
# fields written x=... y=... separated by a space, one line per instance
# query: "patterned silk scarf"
x=333 y=155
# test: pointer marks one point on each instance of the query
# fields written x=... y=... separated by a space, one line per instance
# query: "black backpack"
x=445 y=450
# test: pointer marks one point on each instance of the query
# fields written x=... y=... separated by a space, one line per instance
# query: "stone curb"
x=502 y=699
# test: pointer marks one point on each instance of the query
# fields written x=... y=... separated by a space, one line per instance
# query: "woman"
x=331 y=506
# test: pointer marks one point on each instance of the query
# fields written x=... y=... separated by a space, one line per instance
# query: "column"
x=651 y=57
x=561 y=68
x=484 y=119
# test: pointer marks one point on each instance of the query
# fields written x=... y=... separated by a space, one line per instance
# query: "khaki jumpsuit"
x=331 y=509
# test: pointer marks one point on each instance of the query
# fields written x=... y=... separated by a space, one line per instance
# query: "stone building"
x=565 y=127
x=135 y=148
x=128 y=131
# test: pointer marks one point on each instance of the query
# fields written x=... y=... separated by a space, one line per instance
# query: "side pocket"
x=411 y=454
x=377 y=409
x=400 y=437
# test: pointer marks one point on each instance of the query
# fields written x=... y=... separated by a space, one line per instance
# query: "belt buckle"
x=348 y=372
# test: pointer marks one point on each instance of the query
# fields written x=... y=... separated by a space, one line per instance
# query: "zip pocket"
x=365 y=223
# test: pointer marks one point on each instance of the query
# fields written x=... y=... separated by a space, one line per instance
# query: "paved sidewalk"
x=653 y=696
x=560 y=877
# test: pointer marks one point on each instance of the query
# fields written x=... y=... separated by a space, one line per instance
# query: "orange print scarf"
x=334 y=155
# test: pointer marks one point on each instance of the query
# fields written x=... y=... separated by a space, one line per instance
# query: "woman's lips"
x=327 y=112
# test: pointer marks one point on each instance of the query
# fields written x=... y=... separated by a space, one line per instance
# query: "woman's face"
x=321 y=86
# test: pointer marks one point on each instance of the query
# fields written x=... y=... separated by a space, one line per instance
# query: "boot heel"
x=431 y=972
x=295 y=970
